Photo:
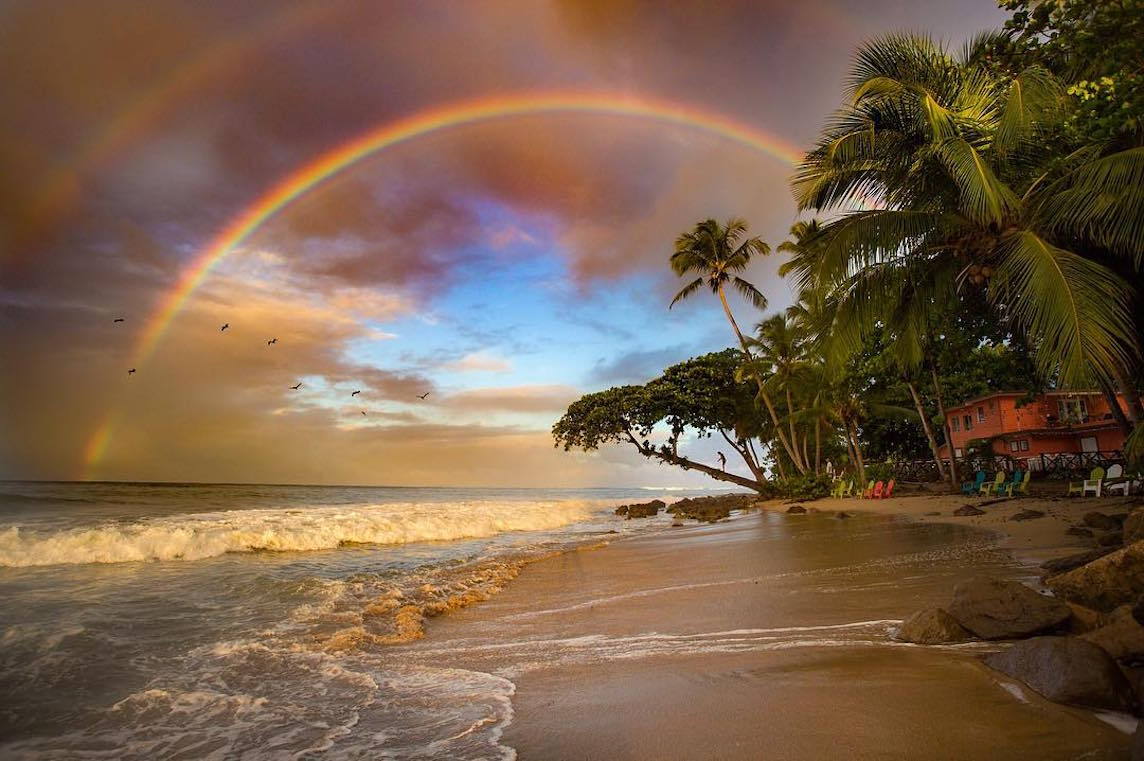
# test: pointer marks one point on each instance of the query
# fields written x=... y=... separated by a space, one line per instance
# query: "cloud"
x=540 y=398
x=636 y=367
x=480 y=362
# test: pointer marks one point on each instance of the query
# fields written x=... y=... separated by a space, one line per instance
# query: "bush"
x=808 y=486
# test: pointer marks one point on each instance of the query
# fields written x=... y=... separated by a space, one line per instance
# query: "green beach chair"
x=1018 y=485
x=1093 y=483
x=849 y=490
x=990 y=487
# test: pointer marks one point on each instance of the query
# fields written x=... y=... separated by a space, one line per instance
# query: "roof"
x=996 y=394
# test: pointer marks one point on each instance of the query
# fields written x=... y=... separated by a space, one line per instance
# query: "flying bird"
x=224 y=327
x=363 y=412
x=272 y=341
x=355 y=394
x=119 y=319
x=131 y=371
x=422 y=396
x=295 y=388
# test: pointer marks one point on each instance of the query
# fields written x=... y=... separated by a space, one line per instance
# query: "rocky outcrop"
x=997 y=609
x=1100 y=521
x=1078 y=531
x=968 y=510
x=1121 y=636
x=711 y=509
x=842 y=514
x=1105 y=583
x=1083 y=620
x=796 y=510
x=932 y=626
x=1069 y=562
x=1029 y=515
x=1109 y=539
x=1066 y=670
x=1134 y=526
x=641 y=510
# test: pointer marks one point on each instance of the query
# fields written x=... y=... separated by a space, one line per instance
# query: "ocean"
x=215 y=621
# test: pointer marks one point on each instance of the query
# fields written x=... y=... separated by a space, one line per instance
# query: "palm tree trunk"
x=794 y=436
x=817 y=445
x=857 y=453
x=1135 y=408
x=762 y=392
x=1114 y=406
x=927 y=428
x=953 y=479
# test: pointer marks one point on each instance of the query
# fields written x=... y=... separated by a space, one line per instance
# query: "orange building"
x=1057 y=421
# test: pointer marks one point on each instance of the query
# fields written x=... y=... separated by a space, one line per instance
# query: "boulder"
x=711 y=509
x=1069 y=562
x=1134 y=526
x=1028 y=515
x=1083 y=620
x=1100 y=521
x=1110 y=539
x=1106 y=582
x=843 y=514
x=1078 y=531
x=932 y=626
x=1121 y=636
x=1066 y=670
x=968 y=510
x=1001 y=609
x=641 y=510
x=796 y=510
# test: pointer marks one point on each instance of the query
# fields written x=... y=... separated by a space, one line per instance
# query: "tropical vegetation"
x=973 y=221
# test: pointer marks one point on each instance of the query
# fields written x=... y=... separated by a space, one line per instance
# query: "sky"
x=505 y=265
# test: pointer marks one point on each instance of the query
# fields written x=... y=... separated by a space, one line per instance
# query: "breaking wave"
x=204 y=535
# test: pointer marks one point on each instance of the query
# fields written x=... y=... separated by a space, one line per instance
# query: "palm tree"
x=780 y=364
x=973 y=193
x=715 y=253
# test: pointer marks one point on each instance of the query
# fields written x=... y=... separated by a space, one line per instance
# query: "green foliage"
x=806 y=486
x=879 y=471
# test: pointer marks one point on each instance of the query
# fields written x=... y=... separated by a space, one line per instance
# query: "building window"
x=1024 y=445
x=980 y=414
x=1072 y=410
x=968 y=420
x=957 y=452
x=955 y=423
x=1013 y=446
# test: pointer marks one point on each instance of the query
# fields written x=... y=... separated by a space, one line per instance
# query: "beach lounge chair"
x=868 y=493
x=1093 y=483
x=994 y=486
x=1006 y=487
x=974 y=486
x=877 y=493
x=1115 y=481
x=836 y=490
x=1016 y=486
x=889 y=491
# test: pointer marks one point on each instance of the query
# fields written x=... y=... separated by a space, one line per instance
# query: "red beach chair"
x=877 y=494
x=889 y=490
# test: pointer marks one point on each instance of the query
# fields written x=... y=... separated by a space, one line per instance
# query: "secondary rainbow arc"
x=312 y=174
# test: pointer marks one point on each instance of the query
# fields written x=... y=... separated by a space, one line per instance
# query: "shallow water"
x=218 y=621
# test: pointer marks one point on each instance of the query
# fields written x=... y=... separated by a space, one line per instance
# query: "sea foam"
x=204 y=535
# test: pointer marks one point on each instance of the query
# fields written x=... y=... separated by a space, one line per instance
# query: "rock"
x=1100 y=521
x=641 y=510
x=1121 y=636
x=1138 y=611
x=1110 y=539
x=1082 y=620
x=999 y=609
x=1069 y=562
x=932 y=626
x=1066 y=670
x=676 y=524
x=968 y=510
x=1134 y=526
x=711 y=509
x=934 y=513
x=1106 y=582
x=1079 y=531
x=1138 y=743
x=1028 y=515
x=843 y=514
x=796 y=510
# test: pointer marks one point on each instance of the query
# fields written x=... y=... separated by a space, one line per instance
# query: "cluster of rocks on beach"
x=702 y=509
x=1081 y=645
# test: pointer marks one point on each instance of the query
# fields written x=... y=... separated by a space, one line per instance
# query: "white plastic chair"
x=1093 y=484
x=1124 y=486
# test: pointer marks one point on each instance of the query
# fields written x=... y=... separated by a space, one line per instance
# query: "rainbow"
x=310 y=175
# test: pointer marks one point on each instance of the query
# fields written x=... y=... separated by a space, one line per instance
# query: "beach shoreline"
x=771 y=635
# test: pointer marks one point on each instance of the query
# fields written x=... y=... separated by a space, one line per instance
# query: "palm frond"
x=686 y=291
x=750 y=292
x=984 y=197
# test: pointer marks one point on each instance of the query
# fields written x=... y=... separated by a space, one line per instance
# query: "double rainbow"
x=309 y=176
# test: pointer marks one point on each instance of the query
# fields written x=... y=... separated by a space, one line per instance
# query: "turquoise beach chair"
x=974 y=486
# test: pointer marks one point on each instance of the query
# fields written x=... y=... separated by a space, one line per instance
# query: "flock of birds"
x=271 y=342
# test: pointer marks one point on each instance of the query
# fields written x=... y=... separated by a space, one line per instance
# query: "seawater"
x=191 y=621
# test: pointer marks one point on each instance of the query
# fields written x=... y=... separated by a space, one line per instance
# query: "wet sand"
x=770 y=637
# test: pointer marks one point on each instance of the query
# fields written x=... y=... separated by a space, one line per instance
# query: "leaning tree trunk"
x=858 y=462
x=672 y=458
x=927 y=428
x=762 y=392
x=817 y=445
x=953 y=479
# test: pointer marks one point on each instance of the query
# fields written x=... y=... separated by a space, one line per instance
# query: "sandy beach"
x=770 y=636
